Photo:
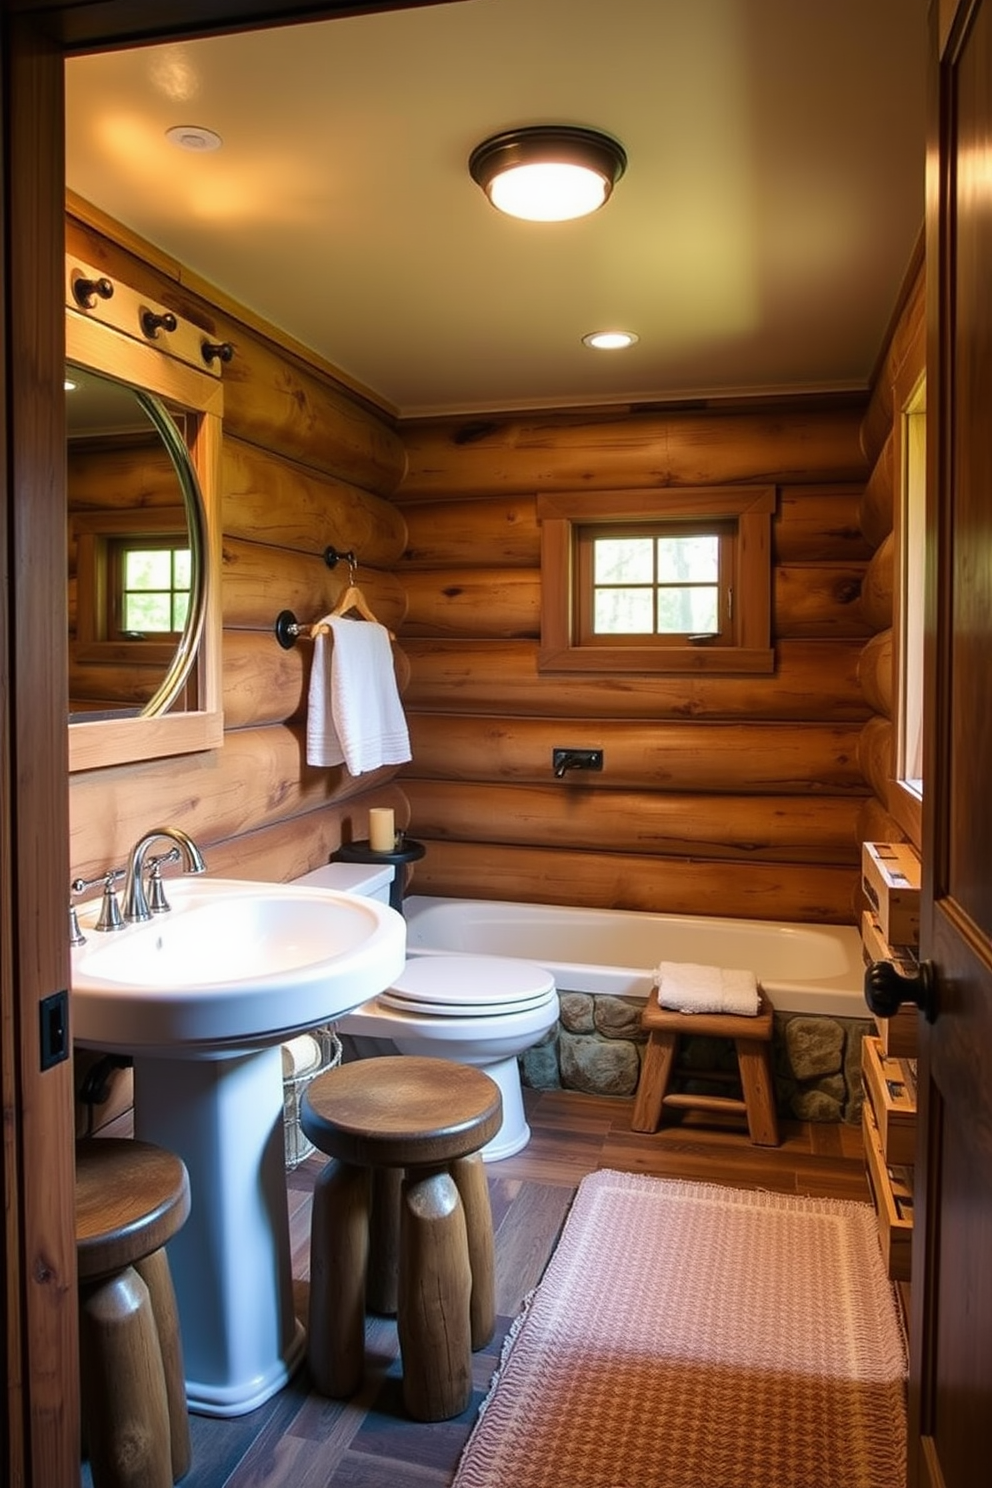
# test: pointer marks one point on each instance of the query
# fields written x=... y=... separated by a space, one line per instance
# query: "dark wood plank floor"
x=299 y=1440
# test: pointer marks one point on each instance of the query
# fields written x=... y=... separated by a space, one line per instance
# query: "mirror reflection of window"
x=154 y=588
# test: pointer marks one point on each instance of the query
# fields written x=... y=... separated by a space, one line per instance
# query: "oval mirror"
x=137 y=545
x=143 y=526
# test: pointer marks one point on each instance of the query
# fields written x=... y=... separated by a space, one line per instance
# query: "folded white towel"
x=355 y=716
x=686 y=987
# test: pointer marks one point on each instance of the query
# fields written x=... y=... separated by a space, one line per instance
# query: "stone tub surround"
x=597 y=1047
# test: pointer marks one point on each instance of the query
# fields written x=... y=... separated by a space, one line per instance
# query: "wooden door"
x=951 y=1344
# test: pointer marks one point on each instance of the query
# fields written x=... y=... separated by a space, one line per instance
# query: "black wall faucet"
x=563 y=760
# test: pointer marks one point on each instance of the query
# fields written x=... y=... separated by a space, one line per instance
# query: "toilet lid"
x=469 y=986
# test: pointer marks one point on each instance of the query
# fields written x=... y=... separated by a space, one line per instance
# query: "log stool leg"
x=381 y=1289
x=126 y=1404
x=759 y=1094
x=434 y=1314
x=154 y=1272
x=469 y=1174
x=338 y=1267
x=656 y=1073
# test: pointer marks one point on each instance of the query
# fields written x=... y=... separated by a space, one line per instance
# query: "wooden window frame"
x=751 y=508
x=904 y=804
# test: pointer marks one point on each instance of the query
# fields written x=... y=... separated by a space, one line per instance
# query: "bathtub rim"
x=840 y=996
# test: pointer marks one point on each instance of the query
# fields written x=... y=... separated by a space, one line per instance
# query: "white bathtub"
x=803 y=968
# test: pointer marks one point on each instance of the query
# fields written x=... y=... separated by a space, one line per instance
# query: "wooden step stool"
x=131 y=1197
x=752 y=1040
x=401 y=1222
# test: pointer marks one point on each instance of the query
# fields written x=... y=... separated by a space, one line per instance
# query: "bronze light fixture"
x=548 y=173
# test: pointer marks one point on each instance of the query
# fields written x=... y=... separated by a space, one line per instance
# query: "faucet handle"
x=157 y=902
x=76 y=936
x=110 y=914
x=110 y=910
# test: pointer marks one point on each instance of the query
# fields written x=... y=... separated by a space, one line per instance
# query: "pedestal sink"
x=202 y=997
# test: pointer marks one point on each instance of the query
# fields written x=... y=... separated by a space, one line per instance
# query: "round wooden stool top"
x=399 y=1111
x=131 y=1197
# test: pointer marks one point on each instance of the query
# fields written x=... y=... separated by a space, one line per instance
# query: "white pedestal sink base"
x=231 y=1263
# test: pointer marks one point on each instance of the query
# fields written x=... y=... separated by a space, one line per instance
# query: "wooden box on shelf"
x=890 y=1087
x=890 y=877
x=892 y=1194
x=897 y=1035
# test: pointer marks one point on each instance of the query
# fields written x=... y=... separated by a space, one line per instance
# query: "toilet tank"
x=369 y=880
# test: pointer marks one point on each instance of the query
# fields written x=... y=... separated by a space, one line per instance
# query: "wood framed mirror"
x=146 y=695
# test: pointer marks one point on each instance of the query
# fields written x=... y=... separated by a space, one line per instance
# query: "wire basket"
x=303 y=1059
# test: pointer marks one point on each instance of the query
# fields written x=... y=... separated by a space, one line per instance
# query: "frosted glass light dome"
x=548 y=174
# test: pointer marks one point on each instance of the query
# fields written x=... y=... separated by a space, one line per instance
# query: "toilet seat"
x=469 y=987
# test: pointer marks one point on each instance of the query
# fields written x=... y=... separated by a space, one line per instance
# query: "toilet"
x=478 y=1010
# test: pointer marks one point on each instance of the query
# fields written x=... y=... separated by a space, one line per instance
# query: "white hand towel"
x=686 y=987
x=355 y=716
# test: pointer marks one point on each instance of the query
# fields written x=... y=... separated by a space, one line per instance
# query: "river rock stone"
x=821 y=1102
x=815 y=1047
x=615 y=1017
x=598 y=1066
x=539 y=1064
x=577 y=1012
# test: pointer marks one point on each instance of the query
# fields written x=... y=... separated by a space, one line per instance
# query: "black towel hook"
x=332 y=557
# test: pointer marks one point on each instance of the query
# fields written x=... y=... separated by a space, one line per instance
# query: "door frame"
x=39 y=1417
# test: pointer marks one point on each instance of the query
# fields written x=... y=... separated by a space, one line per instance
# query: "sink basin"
x=233 y=965
x=202 y=997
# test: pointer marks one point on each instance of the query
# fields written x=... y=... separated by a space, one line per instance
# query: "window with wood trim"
x=133 y=576
x=657 y=580
x=148 y=587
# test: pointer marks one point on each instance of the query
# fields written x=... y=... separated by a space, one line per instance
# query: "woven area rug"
x=686 y=1335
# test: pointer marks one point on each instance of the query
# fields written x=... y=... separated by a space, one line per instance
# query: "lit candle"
x=382 y=829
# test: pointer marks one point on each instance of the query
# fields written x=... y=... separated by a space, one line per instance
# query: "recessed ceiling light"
x=193 y=137
x=609 y=340
x=548 y=173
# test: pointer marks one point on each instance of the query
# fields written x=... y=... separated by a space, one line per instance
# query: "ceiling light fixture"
x=609 y=340
x=548 y=173
x=194 y=137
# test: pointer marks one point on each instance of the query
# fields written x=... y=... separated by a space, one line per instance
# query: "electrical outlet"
x=53 y=1012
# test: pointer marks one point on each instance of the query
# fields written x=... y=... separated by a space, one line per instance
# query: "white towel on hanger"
x=354 y=715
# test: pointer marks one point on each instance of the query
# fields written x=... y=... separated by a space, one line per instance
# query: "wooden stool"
x=752 y=1041
x=401 y=1221
x=131 y=1198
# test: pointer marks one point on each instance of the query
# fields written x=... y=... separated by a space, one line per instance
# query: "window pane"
x=625 y=560
x=183 y=569
x=623 y=612
x=147 y=612
x=693 y=560
x=148 y=569
x=180 y=609
x=688 y=611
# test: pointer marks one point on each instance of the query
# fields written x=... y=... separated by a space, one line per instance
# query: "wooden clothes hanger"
x=354 y=599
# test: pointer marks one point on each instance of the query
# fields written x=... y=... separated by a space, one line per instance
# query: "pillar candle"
x=382 y=829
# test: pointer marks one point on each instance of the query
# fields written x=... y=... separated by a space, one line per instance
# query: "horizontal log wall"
x=304 y=464
x=738 y=795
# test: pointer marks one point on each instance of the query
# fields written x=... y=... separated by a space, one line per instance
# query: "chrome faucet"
x=135 y=900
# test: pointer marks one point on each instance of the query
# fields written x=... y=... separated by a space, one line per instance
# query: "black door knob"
x=886 y=989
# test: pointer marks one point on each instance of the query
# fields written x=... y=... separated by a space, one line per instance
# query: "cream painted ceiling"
x=756 y=244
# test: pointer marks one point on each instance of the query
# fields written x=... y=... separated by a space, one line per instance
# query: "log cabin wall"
x=719 y=795
x=305 y=463
x=901 y=365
